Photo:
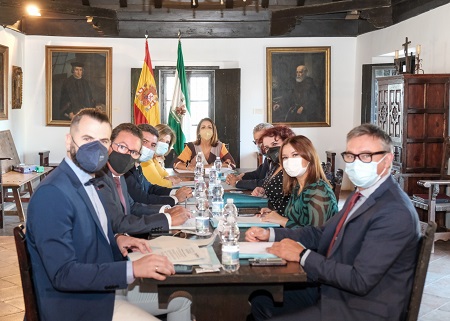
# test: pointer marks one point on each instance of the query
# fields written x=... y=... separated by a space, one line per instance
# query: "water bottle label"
x=230 y=254
x=217 y=207
x=202 y=224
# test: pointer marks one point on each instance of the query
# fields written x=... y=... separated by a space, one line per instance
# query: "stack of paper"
x=182 y=251
x=257 y=250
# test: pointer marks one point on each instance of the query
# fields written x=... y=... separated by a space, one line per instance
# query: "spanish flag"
x=146 y=105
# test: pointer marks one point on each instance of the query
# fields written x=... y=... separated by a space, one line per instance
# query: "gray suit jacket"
x=370 y=271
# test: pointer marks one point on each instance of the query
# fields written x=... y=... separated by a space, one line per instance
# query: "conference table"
x=223 y=296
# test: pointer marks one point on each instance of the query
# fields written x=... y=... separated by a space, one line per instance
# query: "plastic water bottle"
x=217 y=199
x=199 y=158
x=200 y=188
x=213 y=174
x=230 y=238
x=211 y=183
x=218 y=165
x=202 y=218
x=198 y=171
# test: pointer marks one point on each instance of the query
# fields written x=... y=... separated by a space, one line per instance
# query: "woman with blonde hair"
x=312 y=200
x=208 y=143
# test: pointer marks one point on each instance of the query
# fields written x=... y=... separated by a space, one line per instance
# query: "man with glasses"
x=251 y=180
x=362 y=260
x=135 y=218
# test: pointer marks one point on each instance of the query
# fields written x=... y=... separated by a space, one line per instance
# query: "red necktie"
x=121 y=196
x=351 y=203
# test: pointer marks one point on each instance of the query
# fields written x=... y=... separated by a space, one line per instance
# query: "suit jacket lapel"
x=370 y=201
x=83 y=194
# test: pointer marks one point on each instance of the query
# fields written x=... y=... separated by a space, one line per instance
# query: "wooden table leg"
x=18 y=200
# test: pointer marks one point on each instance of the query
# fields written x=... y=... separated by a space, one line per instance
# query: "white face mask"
x=294 y=167
x=363 y=174
x=146 y=154
x=161 y=148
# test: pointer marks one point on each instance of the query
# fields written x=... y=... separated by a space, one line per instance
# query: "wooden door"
x=227 y=109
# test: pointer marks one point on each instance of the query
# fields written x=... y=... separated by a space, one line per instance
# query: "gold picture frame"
x=16 y=87
x=303 y=100
x=88 y=86
x=4 y=66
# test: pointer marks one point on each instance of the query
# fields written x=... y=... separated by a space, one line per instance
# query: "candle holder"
x=418 y=67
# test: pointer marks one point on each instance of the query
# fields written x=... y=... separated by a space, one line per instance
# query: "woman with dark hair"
x=312 y=200
x=272 y=188
x=208 y=143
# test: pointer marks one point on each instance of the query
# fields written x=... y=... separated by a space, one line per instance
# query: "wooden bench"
x=14 y=186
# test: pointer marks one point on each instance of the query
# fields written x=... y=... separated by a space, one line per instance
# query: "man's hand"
x=257 y=234
x=287 y=249
x=183 y=193
x=178 y=214
x=153 y=266
x=126 y=243
x=233 y=179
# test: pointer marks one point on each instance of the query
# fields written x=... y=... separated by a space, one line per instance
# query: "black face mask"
x=121 y=163
x=273 y=153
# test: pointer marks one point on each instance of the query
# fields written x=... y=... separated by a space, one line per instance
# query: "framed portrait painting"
x=298 y=86
x=4 y=82
x=77 y=78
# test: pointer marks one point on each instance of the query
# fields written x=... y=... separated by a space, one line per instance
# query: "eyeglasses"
x=125 y=150
x=363 y=157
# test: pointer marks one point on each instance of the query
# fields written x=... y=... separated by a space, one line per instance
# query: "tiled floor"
x=435 y=302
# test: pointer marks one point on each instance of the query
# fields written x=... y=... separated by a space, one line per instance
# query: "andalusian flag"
x=146 y=105
x=180 y=112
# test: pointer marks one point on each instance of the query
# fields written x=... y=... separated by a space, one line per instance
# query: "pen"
x=185 y=203
x=265 y=213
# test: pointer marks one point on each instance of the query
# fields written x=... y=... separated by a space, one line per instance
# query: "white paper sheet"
x=255 y=250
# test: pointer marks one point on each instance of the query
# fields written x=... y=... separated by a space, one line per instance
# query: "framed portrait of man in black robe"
x=298 y=86
x=77 y=78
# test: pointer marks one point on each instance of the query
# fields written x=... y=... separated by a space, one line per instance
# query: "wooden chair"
x=423 y=259
x=29 y=294
x=436 y=200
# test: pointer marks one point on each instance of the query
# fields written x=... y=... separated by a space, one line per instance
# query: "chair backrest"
x=29 y=294
x=423 y=259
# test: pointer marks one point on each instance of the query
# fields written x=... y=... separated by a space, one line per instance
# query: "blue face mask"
x=146 y=154
x=161 y=148
x=363 y=174
x=92 y=156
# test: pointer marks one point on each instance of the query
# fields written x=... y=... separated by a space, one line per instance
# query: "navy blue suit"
x=143 y=218
x=254 y=179
x=76 y=267
x=142 y=191
x=369 y=273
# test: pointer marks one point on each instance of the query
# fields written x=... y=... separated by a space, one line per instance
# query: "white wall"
x=15 y=122
x=247 y=54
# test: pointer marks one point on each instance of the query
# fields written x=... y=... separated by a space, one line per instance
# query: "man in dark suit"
x=135 y=218
x=77 y=261
x=139 y=188
x=363 y=259
x=251 y=180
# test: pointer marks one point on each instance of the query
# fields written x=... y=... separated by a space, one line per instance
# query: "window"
x=201 y=93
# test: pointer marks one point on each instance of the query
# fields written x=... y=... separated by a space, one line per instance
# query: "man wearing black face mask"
x=129 y=216
x=251 y=180
x=75 y=256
